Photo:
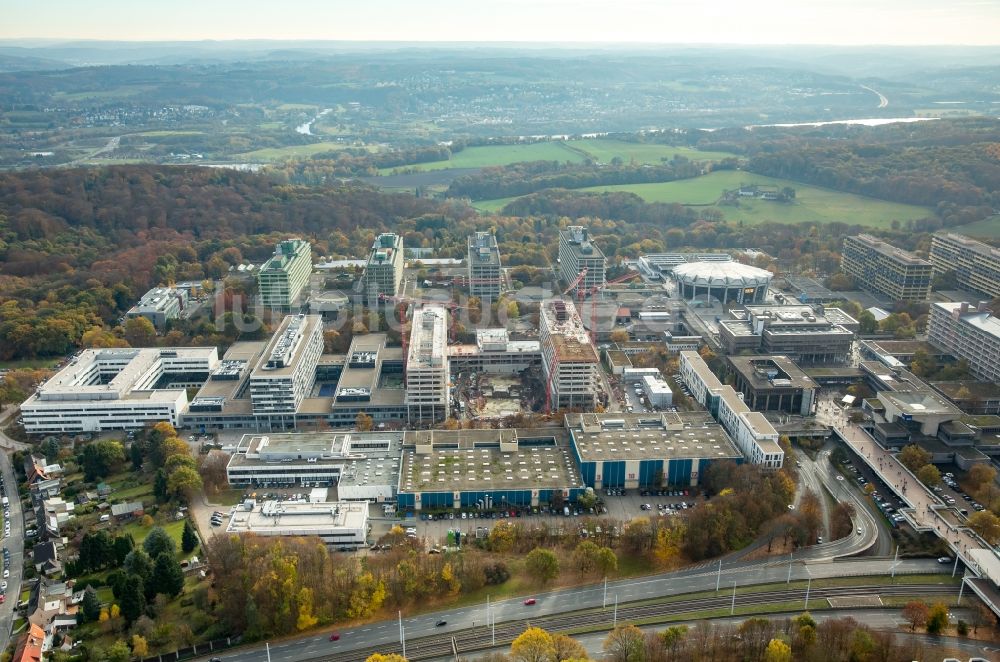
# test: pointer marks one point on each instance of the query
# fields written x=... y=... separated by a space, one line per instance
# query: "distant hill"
x=10 y=63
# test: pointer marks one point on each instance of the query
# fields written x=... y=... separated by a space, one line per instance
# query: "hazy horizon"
x=536 y=22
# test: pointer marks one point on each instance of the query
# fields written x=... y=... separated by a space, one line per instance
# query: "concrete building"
x=754 y=435
x=660 y=266
x=384 y=268
x=976 y=265
x=773 y=383
x=570 y=362
x=286 y=370
x=485 y=271
x=657 y=391
x=328 y=304
x=647 y=450
x=578 y=252
x=970 y=333
x=159 y=305
x=281 y=279
x=486 y=470
x=885 y=270
x=427 y=375
x=909 y=407
x=495 y=353
x=118 y=389
x=364 y=466
x=335 y=523
x=803 y=333
x=725 y=281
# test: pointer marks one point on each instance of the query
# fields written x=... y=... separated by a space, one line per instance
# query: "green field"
x=988 y=228
x=163 y=134
x=285 y=153
x=642 y=153
x=812 y=204
x=575 y=151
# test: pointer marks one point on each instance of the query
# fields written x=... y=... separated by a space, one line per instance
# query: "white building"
x=159 y=305
x=427 y=365
x=336 y=523
x=286 y=371
x=970 y=333
x=576 y=253
x=384 y=268
x=118 y=389
x=495 y=353
x=281 y=279
x=363 y=465
x=569 y=359
x=754 y=435
x=657 y=390
x=485 y=271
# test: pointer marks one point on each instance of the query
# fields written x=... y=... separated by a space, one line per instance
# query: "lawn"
x=604 y=150
x=988 y=228
x=139 y=532
x=812 y=204
x=498 y=155
x=164 y=134
x=575 y=151
x=286 y=153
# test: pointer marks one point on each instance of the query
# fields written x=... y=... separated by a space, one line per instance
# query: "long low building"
x=494 y=352
x=487 y=469
x=753 y=433
x=336 y=523
x=646 y=450
x=363 y=465
x=118 y=389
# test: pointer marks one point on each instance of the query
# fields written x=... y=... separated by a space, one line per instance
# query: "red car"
x=529 y=601
x=335 y=636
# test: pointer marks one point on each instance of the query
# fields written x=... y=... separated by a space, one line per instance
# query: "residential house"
x=45 y=557
x=123 y=512
x=29 y=649
x=46 y=489
x=36 y=468
x=53 y=514
x=54 y=606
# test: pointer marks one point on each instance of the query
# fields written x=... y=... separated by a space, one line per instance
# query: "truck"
x=566 y=511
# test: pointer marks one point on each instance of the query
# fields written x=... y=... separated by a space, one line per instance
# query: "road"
x=925 y=508
x=15 y=543
x=386 y=633
x=883 y=100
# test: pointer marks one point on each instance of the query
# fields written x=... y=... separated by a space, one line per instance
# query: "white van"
x=105 y=518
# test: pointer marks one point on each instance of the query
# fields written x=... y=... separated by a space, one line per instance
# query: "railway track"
x=470 y=640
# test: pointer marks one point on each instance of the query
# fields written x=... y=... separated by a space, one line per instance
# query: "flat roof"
x=300 y=518
x=568 y=336
x=890 y=251
x=471 y=460
x=86 y=372
x=580 y=242
x=664 y=436
x=247 y=352
x=985 y=321
x=917 y=403
x=756 y=370
x=288 y=344
x=981 y=390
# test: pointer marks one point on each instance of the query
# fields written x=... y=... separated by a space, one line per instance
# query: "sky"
x=839 y=22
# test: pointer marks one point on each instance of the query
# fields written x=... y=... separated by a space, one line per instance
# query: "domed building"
x=725 y=281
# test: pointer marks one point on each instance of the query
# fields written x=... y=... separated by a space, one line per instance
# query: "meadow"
x=812 y=203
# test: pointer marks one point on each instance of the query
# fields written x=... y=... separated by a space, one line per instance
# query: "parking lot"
x=618 y=507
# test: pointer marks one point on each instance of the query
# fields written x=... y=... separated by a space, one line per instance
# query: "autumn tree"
x=542 y=565
x=937 y=619
x=139 y=332
x=385 y=657
x=986 y=525
x=532 y=645
x=913 y=457
x=567 y=648
x=101 y=458
x=929 y=475
x=363 y=422
x=625 y=643
x=916 y=612
x=777 y=651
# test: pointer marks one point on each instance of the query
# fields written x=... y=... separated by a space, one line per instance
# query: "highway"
x=384 y=635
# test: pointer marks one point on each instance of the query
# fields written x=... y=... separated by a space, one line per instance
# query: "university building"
x=578 y=252
x=282 y=278
x=976 y=265
x=885 y=270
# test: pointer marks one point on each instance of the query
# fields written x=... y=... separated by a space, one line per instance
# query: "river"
x=306 y=129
